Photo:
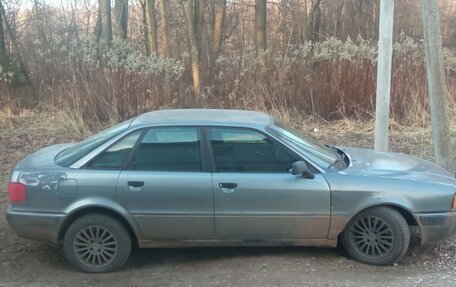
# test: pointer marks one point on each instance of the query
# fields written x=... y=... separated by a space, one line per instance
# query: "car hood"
x=43 y=157
x=366 y=162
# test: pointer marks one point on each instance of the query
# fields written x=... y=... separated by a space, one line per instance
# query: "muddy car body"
x=182 y=178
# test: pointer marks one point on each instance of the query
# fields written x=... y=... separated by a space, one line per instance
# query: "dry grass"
x=331 y=80
x=335 y=96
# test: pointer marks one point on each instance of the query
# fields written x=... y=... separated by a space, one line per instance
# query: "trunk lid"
x=43 y=158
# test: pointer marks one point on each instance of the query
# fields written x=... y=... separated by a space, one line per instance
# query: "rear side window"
x=242 y=150
x=117 y=155
x=77 y=151
x=169 y=149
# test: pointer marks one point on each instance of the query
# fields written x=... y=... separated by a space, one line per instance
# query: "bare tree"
x=192 y=6
x=106 y=23
x=338 y=23
x=283 y=33
x=2 y=41
x=260 y=26
x=151 y=26
x=165 y=34
x=166 y=49
x=144 y=26
x=217 y=35
x=53 y=39
x=121 y=23
x=313 y=26
x=98 y=27
x=17 y=50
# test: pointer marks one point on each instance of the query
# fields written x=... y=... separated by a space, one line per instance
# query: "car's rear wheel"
x=377 y=236
x=97 y=243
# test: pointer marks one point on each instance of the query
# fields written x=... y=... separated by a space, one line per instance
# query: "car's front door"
x=255 y=195
x=165 y=187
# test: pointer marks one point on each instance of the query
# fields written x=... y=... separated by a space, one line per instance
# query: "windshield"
x=75 y=152
x=320 y=154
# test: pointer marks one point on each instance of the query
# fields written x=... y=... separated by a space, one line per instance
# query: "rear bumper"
x=38 y=226
x=436 y=226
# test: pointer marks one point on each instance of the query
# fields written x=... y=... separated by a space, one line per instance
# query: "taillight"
x=16 y=192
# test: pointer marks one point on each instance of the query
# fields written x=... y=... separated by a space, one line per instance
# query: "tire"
x=97 y=243
x=377 y=236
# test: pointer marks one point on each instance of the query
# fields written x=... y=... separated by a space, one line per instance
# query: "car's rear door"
x=166 y=188
x=255 y=195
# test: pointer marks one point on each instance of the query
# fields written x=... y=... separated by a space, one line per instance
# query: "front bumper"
x=436 y=226
x=33 y=225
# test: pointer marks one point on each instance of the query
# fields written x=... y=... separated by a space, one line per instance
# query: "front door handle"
x=228 y=187
x=135 y=185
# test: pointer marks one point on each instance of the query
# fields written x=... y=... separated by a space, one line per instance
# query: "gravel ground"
x=29 y=263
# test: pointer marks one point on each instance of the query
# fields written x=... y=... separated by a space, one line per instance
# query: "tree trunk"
x=242 y=32
x=121 y=23
x=165 y=35
x=210 y=20
x=144 y=25
x=198 y=19
x=106 y=24
x=314 y=21
x=436 y=84
x=18 y=55
x=201 y=35
x=194 y=46
x=2 y=43
x=260 y=27
x=98 y=26
x=305 y=21
x=166 y=51
x=316 y=24
x=338 y=28
x=282 y=29
x=217 y=36
x=151 y=26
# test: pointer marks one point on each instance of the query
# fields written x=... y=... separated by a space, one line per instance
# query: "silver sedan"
x=183 y=178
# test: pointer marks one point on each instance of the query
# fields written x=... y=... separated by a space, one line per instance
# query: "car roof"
x=204 y=117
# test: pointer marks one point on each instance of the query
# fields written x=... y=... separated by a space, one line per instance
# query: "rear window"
x=75 y=152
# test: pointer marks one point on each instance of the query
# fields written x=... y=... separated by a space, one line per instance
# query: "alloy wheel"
x=95 y=246
x=371 y=237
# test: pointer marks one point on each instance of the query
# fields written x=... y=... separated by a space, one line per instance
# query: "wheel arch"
x=405 y=212
x=373 y=246
x=99 y=209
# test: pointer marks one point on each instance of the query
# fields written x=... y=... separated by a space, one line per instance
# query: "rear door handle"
x=228 y=187
x=135 y=185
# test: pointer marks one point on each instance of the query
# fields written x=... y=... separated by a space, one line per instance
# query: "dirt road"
x=28 y=263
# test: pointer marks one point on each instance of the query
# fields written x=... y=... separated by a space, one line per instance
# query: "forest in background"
x=104 y=61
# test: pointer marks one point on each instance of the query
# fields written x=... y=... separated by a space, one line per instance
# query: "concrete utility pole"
x=385 y=57
x=436 y=84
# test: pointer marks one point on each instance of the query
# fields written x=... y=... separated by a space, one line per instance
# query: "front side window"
x=242 y=150
x=117 y=155
x=320 y=154
x=169 y=149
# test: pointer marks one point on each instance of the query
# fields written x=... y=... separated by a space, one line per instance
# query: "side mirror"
x=300 y=168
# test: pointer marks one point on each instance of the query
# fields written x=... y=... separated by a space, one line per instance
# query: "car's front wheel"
x=97 y=243
x=377 y=236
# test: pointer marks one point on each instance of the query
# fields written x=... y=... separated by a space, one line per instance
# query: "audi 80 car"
x=185 y=178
